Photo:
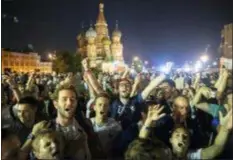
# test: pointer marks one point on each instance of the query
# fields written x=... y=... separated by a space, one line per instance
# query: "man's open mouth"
x=55 y=154
x=181 y=145
x=102 y=112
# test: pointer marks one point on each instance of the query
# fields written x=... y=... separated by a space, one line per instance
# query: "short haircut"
x=179 y=126
x=124 y=79
x=63 y=87
x=141 y=149
x=29 y=100
x=170 y=82
x=103 y=95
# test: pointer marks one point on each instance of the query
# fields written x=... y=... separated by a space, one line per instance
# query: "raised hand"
x=85 y=64
x=226 y=121
x=44 y=125
x=205 y=91
x=154 y=114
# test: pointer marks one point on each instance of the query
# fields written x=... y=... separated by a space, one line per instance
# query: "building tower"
x=226 y=45
x=82 y=42
x=101 y=28
x=117 y=47
x=96 y=43
x=91 y=47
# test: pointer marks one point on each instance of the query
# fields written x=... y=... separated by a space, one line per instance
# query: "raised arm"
x=91 y=78
x=13 y=87
x=135 y=85
x=125 y=73
x=30 y=82
x=222 y=84
x=92 y=93
x=153 y=115
x=205 y=91
x=221 y=138
x=152 y=85
x=196 y=81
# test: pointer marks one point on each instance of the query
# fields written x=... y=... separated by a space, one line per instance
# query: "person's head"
x=21 y=87
x=101 y=105
x=10 y=145
x=168 y=86
x=160 y=95
x=181 y=107
x=180 y=140
x=147 y=150
x=124 y=88
x=185 y=92
x=43 y=91
x=48 y=145
x=65 y=101
x=26 y=110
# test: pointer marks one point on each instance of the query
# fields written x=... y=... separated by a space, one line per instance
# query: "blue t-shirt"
x=129 y=113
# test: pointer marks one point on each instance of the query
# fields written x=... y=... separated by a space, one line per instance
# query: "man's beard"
x=65 y=114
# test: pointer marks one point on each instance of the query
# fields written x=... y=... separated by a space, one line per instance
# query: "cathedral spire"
x=101 y=18
x=116 y=24
x=91 y=25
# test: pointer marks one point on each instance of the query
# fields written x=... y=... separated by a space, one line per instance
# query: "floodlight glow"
x=187 y=68
x=164 y=69
x=146 y=62
x=215 y=63
x=50 y=56
x=204 y=58
x=135 y=58
x=198 y=65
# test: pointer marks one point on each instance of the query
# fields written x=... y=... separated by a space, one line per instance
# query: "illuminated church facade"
x=97 y=44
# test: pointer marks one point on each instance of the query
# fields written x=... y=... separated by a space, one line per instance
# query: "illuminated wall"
x=24 y=62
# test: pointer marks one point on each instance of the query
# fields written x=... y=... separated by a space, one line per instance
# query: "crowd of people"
x=117 y=116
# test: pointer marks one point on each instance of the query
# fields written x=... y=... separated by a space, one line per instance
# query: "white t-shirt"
x=107 y=132
x=194 y=155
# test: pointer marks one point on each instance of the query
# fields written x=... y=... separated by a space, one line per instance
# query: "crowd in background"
x=102 y=116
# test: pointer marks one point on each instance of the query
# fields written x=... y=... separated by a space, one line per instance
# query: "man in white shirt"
x=106 y=128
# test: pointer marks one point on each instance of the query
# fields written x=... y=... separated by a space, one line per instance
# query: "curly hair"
x=54 y=96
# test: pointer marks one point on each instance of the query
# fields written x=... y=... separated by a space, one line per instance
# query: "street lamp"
x=51 y=56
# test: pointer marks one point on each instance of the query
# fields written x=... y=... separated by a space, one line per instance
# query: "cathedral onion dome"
x=116 y=32
x=91 y=33
x=106 y=41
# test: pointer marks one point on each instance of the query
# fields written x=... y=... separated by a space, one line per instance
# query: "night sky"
x=155 y=30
